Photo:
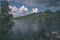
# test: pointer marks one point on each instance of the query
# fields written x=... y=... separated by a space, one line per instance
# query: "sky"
x=23 y=7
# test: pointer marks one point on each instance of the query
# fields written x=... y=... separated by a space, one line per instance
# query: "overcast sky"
x=22 y=7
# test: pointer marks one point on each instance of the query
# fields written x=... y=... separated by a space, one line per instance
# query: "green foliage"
x=6 y=22
x=43 y=34
x=4 y=7
x=41 y=16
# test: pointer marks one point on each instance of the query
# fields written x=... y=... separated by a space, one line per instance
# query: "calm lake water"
x=28 y=27
x=35 y=25
x=24 y=26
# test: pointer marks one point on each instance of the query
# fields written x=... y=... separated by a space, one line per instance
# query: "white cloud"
x=23 y=8
x=10 y=7
x=35 y=10
x=21 y=11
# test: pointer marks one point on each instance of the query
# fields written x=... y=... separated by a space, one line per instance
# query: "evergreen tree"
x=6 y=21
x=42 y=35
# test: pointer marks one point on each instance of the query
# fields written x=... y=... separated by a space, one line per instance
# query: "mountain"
x=40 y=15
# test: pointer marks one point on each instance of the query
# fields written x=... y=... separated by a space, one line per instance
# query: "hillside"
x=41 y=16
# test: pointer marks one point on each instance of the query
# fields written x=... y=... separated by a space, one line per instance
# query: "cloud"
x=10 y=7
x=23 y=8
x=21 y=11
x=14 y=10
x=35 y=10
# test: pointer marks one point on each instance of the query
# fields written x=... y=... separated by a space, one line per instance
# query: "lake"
x=28 y=27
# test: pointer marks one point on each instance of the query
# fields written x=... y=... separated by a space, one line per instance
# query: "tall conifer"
x=6 y=21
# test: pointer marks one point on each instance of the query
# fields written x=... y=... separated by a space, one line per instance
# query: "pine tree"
x=42 y=34
x=6 y=21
